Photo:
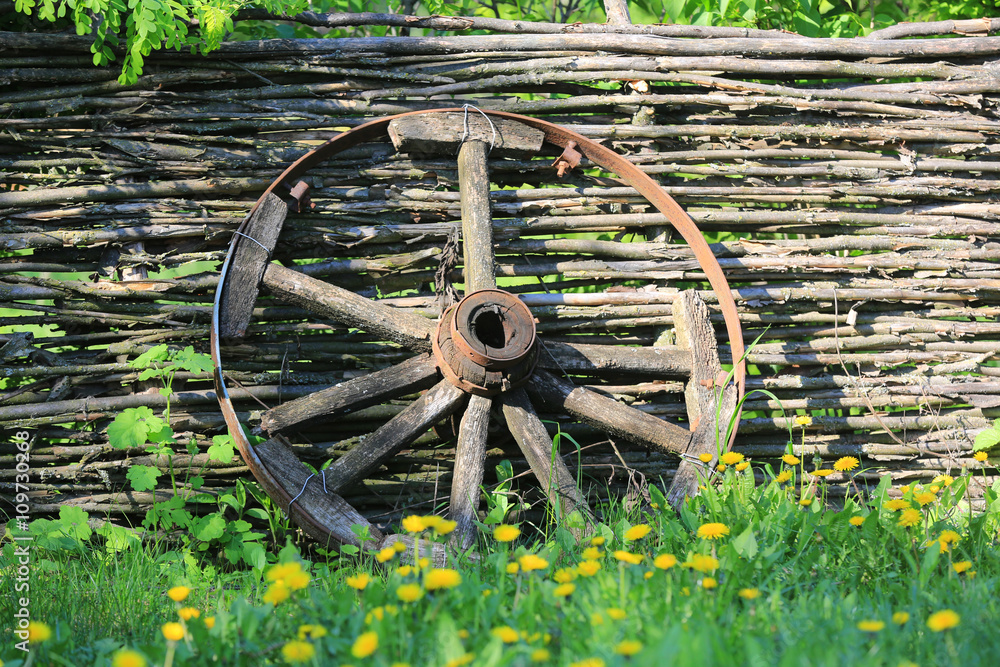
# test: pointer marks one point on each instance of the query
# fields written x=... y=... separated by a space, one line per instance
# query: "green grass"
x=816 y=576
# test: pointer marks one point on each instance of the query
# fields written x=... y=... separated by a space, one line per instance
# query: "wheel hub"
x=485 y=344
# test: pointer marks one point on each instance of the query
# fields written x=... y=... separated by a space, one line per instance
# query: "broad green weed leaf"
x=209 y=528
x=254 y=555
x=117 y=538
x=746 y=544
x=74 y=523
x=132 y=427
x=221 y=449
x=143 y=478
x=987 y=439
x=157 y=353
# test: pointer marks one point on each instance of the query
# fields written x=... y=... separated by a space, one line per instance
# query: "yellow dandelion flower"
x=282 y=571
x=637 y=532
x=365 y=644
x=803 y=420
x=423 y=563
x=38 y=632
x=564 y=575
x=404 y=570
x=505 y=633
x=709 y=583
x=463 y=633
x=645 y=575
x=591 y=553
x=179 y=593
x=588 y=568
x=721 y=467
x=961 y=566
x=943 y=620
x=359 y=581
x=870 y=626
x=665 y=561
x=783 y=476
x=540 y=655
x=210 y=622
x=442 y=577
x=947 y=538
x=712 y=531
x=400 y=547
x=822 y=472
x=386 y=555
x=409 y=592
x=311 y=631
x=597 y=541
x=910 y=517
x=791 y=459
x=588 y=662
x=431 y=520
x=172 y=631
x=276 y=593
x=905 y=489
x=845 y=463
x=628 y=557
x=805 y=501
x=705 y=457
x=628 y=647
x=924 y=498
x=731 y=458
x=896 y=504
x=128 y=658
x=616 y=613
x=187 y=613
x=563 y=590
x=512 y=568
x=597 y=618
x=900 y=617
x=531 y=562
x=505 y=533
x=297 y=651
x=702 y=563
x=463 y=659
x=981 y=456
x=749 y=593
x=742 y=465
x=947 y=480
x=414 y=524
x=445 y=526
x=298 y=580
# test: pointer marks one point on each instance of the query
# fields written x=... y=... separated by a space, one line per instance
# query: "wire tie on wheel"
x=254 y=240
x=301 y=492
x=465 y=125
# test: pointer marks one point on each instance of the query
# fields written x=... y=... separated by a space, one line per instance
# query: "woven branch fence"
x=855 y=182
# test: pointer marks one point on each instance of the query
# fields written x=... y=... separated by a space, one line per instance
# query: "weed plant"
x=744 y=574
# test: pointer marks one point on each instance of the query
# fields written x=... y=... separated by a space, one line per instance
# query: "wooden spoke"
x=439 y=402
x=709 y=409
x=470 y=459
x=477 y=218
x=536 y=445
x=323 y=516
x=607 y=414
x=577 y=358
x=414 y=374
x=254 y=244
x=348 y=308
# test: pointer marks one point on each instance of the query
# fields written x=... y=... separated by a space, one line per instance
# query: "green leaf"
x=193 y=362
x=74 y=523
x=143 y=478
x=117 y=538
x=131 y=428
x=986 y=439
x=222 y=449
x=209 y=528
x=746 y=544
x=157 y=353
x=254 y=555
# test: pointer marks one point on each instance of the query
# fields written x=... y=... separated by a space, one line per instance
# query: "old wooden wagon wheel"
x=483 y=351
